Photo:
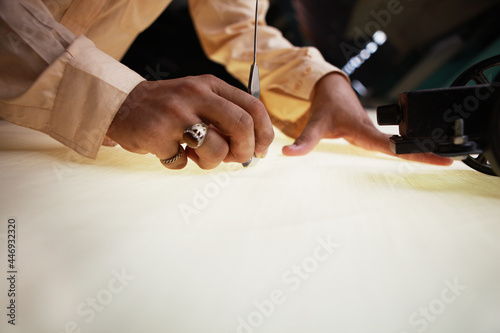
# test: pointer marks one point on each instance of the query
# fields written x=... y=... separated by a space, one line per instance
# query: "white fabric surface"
x=406 y=239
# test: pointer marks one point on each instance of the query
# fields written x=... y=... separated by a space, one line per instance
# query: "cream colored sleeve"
x=288 y=74
x=55 y=83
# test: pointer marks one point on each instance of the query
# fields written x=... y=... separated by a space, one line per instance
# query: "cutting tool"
x=254 y=80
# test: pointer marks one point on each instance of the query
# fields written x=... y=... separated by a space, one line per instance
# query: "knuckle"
x=216 y=155
x=206 y=80
x=267 y=137
x=257 y=107
x=209 y=78
x=188 y=86
x=245 y=122
x=220 y=152
x=211 y=156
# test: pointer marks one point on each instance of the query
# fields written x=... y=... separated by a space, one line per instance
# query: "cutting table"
x=340 y=240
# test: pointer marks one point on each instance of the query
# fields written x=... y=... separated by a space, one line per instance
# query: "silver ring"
x=194 y=136
x=251 y=162
x=172 y=159
x=247 y=163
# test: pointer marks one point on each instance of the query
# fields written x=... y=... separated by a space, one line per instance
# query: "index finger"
x=263 y=129
x=375 y=140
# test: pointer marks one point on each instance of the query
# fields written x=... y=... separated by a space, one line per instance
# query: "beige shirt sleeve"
x=57 y=83
x=288 y=74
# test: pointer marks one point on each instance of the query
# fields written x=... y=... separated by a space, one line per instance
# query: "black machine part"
x=476 y=74
x=460 y=121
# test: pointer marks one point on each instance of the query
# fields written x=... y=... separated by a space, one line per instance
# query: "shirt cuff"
x=92 y=89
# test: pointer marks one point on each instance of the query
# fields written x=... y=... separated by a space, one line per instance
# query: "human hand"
x=155 y=114
x=337 y=113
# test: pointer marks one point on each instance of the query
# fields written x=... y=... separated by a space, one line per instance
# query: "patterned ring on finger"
x=194 y=135
x=171 y=160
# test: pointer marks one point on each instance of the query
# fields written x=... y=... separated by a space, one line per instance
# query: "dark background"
x=429 y=42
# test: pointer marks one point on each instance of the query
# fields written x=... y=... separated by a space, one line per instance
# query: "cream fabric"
x=71 y=87
x=413 y=247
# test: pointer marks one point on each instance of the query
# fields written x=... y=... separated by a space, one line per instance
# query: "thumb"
x=307 y=140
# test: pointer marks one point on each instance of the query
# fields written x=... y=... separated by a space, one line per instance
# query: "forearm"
x=55 y=83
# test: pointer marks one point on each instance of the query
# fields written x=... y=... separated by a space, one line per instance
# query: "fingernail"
x=261 y=155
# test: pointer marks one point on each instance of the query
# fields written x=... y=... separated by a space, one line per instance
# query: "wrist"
x=332 y=81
